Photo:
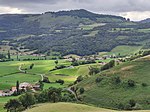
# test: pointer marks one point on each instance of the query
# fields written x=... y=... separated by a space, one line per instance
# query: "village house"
x=25 y=85
x=6 y=92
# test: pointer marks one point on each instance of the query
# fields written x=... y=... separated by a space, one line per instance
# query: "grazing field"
x=90 y=27
x=10 y=80
x=108 y=94
x=10 y=73
x=70 y=107
x=125 y=50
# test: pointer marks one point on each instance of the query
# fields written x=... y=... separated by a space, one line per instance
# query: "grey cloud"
x=113 y=6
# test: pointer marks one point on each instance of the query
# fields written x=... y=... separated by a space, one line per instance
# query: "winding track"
x=23 y=71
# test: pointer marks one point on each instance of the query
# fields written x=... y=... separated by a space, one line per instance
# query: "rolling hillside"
x=67 y=107
x=114 y=88
x=71 y=32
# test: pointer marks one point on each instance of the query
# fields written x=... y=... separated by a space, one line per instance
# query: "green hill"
x=119 y=86
x=69 y=107
x=71 y=32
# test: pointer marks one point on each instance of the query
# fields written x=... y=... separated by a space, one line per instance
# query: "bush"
x=116 y=80
x=75 y=63
x=108 y=65
x=131 y=83
x=144 y=84
x=120 y=106
x=82 y=90
x=132 y=103
x=98 y=80
x=46 y=80
x=127 y=107
x=60 y=81
x=60 y=66
x=79 y=79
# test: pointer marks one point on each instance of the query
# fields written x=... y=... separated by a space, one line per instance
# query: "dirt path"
x=23 y=71
x=72 y=92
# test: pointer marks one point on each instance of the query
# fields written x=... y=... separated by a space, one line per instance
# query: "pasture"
x=70 y=107
x=10 y=73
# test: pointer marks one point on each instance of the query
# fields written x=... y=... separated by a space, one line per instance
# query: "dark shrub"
x=116 y=80
x=60 y=81
x=82 y=90
x=144 y=84
x=97 y=80
x=131 y=83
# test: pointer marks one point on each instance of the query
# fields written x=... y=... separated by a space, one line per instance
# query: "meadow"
x=107 y=94
x=70 y=107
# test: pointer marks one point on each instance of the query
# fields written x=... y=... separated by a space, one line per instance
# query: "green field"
x=10 y=73
x=70 y=107
x=109 y=95
x=90 y=27
x=124 y=50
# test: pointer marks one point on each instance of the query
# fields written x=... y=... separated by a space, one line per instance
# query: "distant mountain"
x=82 y=13
x=71 y=32
x=145 y=20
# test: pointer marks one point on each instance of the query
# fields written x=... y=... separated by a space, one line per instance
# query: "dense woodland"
x=72 y=32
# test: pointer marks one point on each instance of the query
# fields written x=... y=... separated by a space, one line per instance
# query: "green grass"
x=90 y=27
x=9 y=72
x=66 y=107
x=71 y=74
x=10 y=80
x=144 y=30
x=1 y=107
x=55 y=85
x=92 y=34
x=69 y=107
x=108 y=95
x=125 y=50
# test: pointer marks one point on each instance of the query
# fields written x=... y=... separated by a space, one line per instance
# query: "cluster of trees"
x=77 y=63
x=26 y=100
x=71 y=40
x=108 y=65
x=130 y=105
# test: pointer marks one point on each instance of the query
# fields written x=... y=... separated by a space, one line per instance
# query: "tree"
x=54 y=94
x=60 y=81
x=17 y=56
x=93 y=70
x=116 y=80
x=41 y=85
x=131 y=83
x=17 y=87
x=31 y=66
x=79 y=78
x=56 y=62
x=12 y=105
x=54 y=97
x=9 y=57
x=27 y=100
x=82 y=90
x=108 y=65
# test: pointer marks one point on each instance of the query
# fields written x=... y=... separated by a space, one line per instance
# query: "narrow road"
x=72 y=92
x=23 y=71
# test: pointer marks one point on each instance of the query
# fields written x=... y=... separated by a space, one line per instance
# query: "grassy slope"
x=106 y=94
x=125 y=50
x=69 y=107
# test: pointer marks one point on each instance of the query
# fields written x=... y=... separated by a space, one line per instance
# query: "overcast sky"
x=133 y=9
